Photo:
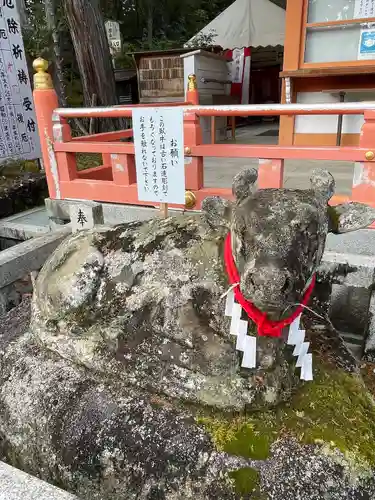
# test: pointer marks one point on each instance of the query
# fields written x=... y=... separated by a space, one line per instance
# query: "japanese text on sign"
x=113 y=35
x=159 y=154
x=18 y=130
x=364 y=8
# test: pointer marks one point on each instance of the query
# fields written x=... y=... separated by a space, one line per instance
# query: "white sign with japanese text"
x=237 y=65
x=114 y=36
x=113 y=30
x=159 y=154
x=364 y=8
x=18 y=129
x=114 y=46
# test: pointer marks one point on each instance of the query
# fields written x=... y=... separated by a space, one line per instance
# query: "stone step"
x=29 y=255
x=25 y=225
x=17 y=485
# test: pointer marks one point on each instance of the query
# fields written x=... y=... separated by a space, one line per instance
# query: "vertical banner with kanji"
x=159 y=154
x=240 y=73
x=18 y=129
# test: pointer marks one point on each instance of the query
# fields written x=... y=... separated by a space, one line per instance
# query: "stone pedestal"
x=85 y=215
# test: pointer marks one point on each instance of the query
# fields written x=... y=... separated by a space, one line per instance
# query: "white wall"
x=328 y=124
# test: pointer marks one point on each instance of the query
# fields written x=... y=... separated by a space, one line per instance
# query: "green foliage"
x=174 y=23
x=12 y=168
x=85 y=160
x=36 y=36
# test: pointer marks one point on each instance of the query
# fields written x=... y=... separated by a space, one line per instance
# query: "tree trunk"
x=150 y=24
x=50 y=9
x=21 y=7
x=94 y=60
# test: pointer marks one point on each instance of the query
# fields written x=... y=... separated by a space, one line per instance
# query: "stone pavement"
x=16 y=485
x=219 y=172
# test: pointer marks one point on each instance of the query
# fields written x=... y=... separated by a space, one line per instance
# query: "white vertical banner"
x=18 y=128
x=245 y=97
x=364 y=8
x=237 y=65
x=159 y=154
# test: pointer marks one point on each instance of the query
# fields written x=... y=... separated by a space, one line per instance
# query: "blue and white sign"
x=367 y=44
x=159 y=154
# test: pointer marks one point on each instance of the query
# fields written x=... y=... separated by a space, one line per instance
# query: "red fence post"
x=194 y=175
x=192 y=96
x=66 y=162
x=270 y=173
x=363 y=189
x=45 y=101
x=123 y=169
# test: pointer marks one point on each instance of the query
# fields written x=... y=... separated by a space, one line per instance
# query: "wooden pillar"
x=292 y=50
x=270 y=173
x=123 y=169
x=192 y=96
x=193 y=137
x=66 y=162
x=46 y=101
x=363 y=189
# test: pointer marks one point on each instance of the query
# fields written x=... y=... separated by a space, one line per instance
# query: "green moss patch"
x=335 y=409
x=246 y=480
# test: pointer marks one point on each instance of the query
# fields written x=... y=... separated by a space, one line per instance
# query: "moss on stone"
x=246 y=480
x=244 y=436
x=335 y=409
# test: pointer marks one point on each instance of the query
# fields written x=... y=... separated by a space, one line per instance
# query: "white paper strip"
x=306 y=369
x=229 y=303
x=293 y=337
x=249 y=356
x=300 y=338
x=236 y=316
x=241 y=337
x=302 y=353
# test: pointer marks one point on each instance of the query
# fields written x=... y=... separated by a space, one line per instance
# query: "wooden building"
x=329 y=56
x=163 y=77
x=126 y=86
x=160 y=75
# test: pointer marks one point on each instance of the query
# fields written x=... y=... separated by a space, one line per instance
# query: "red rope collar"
x=265 y=326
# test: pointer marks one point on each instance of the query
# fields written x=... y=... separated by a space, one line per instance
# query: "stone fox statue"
x=128 y=384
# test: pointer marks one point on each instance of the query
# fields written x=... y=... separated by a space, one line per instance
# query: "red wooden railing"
x=115 y=180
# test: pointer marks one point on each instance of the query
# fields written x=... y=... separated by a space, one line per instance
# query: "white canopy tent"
x=247 y=23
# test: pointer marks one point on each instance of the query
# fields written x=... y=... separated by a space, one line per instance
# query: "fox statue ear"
x=350 y=217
